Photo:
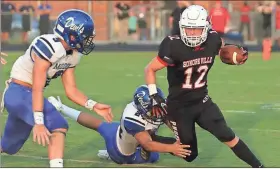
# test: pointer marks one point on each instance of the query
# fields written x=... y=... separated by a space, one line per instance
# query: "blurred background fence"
x=147 y=22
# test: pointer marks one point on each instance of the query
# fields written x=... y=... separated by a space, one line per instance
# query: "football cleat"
x=103 y=154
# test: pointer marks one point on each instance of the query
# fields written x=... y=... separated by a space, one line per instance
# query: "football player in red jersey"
x=188 y=58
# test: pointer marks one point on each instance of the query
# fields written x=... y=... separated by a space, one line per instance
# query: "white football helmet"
x=195 y=16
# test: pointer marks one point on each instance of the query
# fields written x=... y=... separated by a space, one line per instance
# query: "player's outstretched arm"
x=150 y=77
x=40 y=132
x=83 y=118
x=75 y=95
x=148 y=144
x=151 y=69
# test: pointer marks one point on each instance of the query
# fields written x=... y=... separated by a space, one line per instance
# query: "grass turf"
x=247 y=94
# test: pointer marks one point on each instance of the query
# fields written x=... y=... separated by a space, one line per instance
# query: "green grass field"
x=248 y=95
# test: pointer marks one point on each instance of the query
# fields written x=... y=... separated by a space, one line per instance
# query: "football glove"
x=245 y=53
x=158 y=106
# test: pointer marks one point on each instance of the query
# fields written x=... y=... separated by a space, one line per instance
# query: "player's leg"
x=83 y=118
x=109 y=132
x=15 y=134
x=58 y=126
x=106 y=130
x=18 y=102
x=17 y=130
x=183 y=124
x=212 y=120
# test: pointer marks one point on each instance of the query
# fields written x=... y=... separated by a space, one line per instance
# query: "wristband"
x=90 y=104
x=38 y=117
x=152 y=89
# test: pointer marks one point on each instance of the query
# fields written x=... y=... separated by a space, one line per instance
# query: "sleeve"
x=133 y=126
x=217 y=40
x=43 y=48
x=164 y=52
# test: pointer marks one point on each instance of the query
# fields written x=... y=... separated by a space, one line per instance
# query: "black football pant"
x=207 y=115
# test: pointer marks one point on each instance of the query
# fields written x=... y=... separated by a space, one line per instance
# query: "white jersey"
x=47 y=47
x=131 y=123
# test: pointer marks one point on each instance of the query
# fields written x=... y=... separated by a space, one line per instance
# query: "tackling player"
x=134 y=139
x=49 y=56
x=188 y=58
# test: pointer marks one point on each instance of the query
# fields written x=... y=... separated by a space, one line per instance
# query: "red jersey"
x=245 y=11
x=219 y=19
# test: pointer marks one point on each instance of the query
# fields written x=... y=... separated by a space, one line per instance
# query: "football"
x=233 y=55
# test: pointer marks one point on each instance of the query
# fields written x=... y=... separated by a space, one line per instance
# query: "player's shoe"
x=103 y=154
x=55 y=102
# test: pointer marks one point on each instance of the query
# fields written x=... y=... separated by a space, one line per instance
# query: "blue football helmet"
x=76 y=28
x=144 y=105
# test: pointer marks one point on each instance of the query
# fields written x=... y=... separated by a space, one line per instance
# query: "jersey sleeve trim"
x=163 y=62
x=135 y=121
x=31 y=49
x=133 y=128
x=43 y=48
x=50 y=45
x=37 y=53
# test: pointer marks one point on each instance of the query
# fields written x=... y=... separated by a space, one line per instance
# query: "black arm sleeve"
x=164 y=140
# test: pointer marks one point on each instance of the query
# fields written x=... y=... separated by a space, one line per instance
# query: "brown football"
x=232 y=55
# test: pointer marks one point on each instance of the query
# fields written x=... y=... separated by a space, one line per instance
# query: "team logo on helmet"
x=70 y=24
x=140 y=96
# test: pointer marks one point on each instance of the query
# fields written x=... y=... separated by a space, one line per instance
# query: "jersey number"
x=198 y=83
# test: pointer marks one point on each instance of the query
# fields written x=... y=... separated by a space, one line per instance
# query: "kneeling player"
x=137 y=127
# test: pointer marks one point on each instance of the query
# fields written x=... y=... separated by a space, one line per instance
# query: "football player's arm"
x=70 y=87
x=40 y=69
x=41 y=55
x=145 y=140
x=137 y=129
x=75 y=95
x=161 y=61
